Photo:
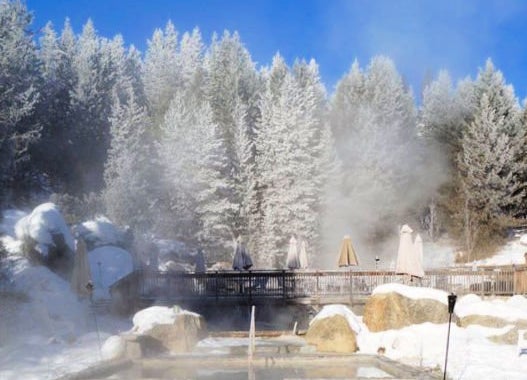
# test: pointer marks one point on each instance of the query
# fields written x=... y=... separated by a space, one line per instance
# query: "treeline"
x=194 y=142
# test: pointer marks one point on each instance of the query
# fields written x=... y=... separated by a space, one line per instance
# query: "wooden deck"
x=314 y=287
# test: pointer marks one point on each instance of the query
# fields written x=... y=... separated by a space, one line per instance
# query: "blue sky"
x=421 y=36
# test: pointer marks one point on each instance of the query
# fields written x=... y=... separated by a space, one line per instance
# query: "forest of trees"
x=194 y=142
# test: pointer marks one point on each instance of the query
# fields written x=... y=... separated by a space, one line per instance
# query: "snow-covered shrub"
x=101 y=231
x=76 y=209
x=46 y=237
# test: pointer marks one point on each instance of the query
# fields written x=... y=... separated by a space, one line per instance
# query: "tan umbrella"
x=347 y=256
x=407 y=255
x=81 y=274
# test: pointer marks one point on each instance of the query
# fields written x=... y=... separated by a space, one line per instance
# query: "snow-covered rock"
x=331 y=310
x=169 y=329
x=334 y=329
x=393 y=306
x=113 y=348
x=492 y=313
x=101 y=231
x=45 y=230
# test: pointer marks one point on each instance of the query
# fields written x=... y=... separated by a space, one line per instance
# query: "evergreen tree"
x=291 y=146
x=194 y=157
x=231 y=91
x=487 y=171
x=374 y=123
x=98 y=66
x=53 y=154
x=161 y=71
x=127 y=171
x=19 y=77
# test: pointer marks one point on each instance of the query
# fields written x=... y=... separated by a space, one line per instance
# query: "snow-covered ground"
x=45 y=331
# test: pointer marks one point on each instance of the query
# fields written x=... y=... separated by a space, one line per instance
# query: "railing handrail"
x=314 y=283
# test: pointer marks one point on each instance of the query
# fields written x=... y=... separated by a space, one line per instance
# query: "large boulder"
x=508 y=314
x=46 y=237
x=488 y=321
x=334 y=330
x=102 y=231
x=387 y=311
x=126 y=346
x=172 y=330
x=511 y=336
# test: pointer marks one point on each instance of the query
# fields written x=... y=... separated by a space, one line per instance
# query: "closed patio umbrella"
x=293 y=259
x=347 y=255
x=242 y=260
x=418 y=246
x=409 y=260
x=199 y=262
x=303 y=255
x=81 y=274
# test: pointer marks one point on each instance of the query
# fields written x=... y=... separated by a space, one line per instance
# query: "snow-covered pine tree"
x=231 y=90
x=503 y=101
x=441 y=124
x=290 y=148
x=487 y=171
x=19 y=94
x=373 y=119
x=441 y=116
x=127 y=171
x=96 y=68
x=194 y=158
x=190 y=62
x=161 y=71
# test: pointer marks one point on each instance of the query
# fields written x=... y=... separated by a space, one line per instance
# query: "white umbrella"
x=303 y=255
x=293 y=259
x=418 y=246
x=407 y=256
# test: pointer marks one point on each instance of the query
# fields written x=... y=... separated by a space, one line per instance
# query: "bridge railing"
x=299 y=284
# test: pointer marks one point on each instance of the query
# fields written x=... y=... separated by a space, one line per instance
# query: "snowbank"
x=45 y=331
x=413 y=292
x=50 y=310
x=512 y=309
x=512 y=253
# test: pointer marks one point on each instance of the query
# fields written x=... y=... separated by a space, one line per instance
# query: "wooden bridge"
x=308 y=287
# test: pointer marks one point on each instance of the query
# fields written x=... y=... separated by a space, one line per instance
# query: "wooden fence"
x=310 y=284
